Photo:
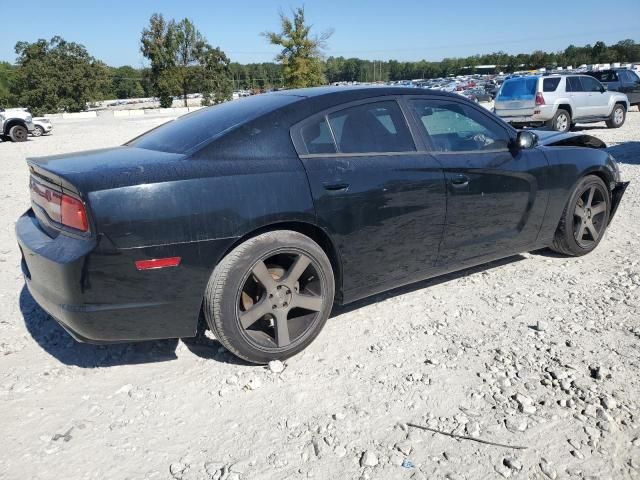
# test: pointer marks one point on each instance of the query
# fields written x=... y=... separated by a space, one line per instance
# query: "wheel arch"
x=12 y=123
x=564 y=106
x=312 y=231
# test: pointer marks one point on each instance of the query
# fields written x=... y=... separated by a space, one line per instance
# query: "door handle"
x=460 y=181
x=336 y=187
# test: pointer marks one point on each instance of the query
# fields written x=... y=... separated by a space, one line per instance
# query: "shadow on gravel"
x=59 y=344
x=341 y=309
x=627 y=152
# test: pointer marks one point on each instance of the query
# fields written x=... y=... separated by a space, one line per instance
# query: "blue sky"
x=373 y=29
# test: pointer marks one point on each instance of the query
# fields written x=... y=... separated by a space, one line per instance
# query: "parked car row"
x=559 y=101
x=16 y=124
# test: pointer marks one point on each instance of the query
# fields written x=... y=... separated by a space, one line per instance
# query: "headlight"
x=28 y=118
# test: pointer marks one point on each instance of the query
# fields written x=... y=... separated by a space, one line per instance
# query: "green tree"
x=157 y=45
x=301 y=56
x=189 y=51
x=183 y=61
x=216 y=82
x=126 y=82
x=57 y=75
x=6 y=73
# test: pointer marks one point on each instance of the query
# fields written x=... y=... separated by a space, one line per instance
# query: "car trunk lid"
x=85 y=172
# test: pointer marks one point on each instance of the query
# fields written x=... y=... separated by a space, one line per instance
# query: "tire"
x=617 y=117
x=18 y=133
x=579 y=213
x=561 y=121
x=38 y=131
x=249 y=298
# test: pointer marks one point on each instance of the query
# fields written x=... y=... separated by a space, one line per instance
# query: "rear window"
x=195 y=129
x=519 y=88
x=550 y=84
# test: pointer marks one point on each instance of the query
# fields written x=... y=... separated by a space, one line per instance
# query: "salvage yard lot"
x=538 y=350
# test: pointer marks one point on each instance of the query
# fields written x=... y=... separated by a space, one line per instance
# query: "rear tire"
x=584 y=219
x=269 y=297
x=18 y=133
x=561 y=121
x=617 y=117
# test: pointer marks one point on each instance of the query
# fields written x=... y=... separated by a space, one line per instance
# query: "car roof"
x=358 y=91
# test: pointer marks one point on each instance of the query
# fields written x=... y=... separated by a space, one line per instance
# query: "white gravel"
x=538 y=351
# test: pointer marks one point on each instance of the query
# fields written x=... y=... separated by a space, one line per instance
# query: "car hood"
x=550 y=138
x=94 y=170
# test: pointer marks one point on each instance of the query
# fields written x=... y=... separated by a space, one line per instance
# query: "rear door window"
x=550 y=84
x=574 y=84
x=317 y=137
x=370 y=128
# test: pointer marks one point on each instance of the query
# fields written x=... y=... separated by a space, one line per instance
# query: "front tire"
x=617 y=117
x=561 y=121
x=584 y=219
x=269 y=297
x=38 y=131
x=18 y=133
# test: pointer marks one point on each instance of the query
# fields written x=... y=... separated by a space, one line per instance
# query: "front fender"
x=567 y=165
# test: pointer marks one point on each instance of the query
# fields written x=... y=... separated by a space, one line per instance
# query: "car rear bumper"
x=98 y=296
x=538 y=115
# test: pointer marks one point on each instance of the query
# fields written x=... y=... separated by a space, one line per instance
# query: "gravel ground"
x=537 y=351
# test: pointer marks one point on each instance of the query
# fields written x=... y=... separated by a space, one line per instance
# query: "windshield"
x=519 y=89
x=196 y=129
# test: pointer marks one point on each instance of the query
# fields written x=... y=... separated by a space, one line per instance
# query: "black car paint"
x=631 y=88
x=387 y=219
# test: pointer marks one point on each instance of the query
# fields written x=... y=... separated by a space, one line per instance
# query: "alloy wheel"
x=618 y=116
x=21 y=134
x=280 y=300
x=590 y=215
x=562 y=122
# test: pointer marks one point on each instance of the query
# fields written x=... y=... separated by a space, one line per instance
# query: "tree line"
x=57 y=75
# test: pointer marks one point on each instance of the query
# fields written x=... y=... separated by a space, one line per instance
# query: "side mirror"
x=526 y=140
x=603 y=88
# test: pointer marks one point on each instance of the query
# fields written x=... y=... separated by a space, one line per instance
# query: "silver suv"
x=559 y=102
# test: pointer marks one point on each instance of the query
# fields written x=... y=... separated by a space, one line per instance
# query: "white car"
x=41 y=126
x=15 y=124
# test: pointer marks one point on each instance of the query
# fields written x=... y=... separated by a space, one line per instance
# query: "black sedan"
x=258 y=214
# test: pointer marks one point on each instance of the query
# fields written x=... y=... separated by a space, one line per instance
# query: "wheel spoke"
x=308 y=302
x=299 y=266
x=599 y=208
x=592 y=231
x=579 y=211
x=282 y=329
x=591 y=192
x=255 y=313
x=581 y=229
x=262 y=274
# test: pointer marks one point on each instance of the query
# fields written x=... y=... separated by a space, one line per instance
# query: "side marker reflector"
x=157 y=263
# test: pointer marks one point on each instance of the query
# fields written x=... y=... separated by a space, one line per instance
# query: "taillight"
x=539 y=99
x=60 y=207
x=72 y=213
